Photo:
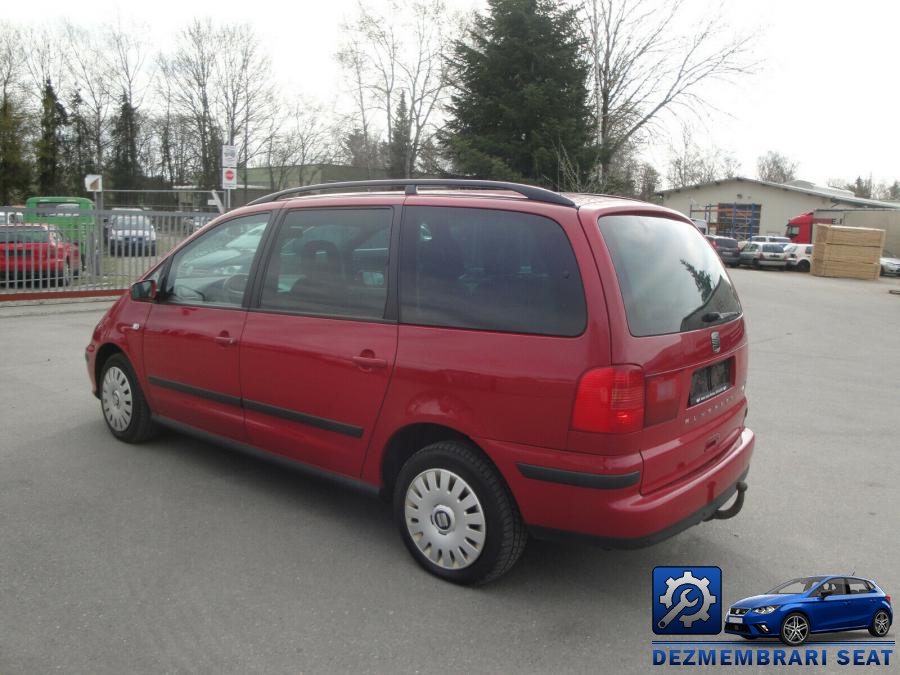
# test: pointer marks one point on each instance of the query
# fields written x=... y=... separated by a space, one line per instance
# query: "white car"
x=799 y=256
x=890 y=264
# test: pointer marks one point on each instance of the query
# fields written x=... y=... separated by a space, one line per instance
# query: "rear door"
x=192 y=335
x=318 y=348
x=863 y=602
x=678 y=317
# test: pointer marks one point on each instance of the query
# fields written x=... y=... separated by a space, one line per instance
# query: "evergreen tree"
x=79 y=147
x=50 y=144
x=124 y=167
x=521 y=101
x=15 y=172
x=399 y=151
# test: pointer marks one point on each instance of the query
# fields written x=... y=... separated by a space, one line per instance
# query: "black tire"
x=803 y=266
x=881 y=624
x=755 y=264
x=796 y=625
x=139 y=426
x=504 y=534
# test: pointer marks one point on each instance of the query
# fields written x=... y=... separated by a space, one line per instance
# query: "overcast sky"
x=826 y=94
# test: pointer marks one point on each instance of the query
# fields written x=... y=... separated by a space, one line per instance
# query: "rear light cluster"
x=620 y=400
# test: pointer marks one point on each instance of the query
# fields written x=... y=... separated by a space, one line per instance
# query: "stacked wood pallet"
x=849 y=252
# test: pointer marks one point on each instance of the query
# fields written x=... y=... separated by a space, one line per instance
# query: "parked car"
x=131 y=234
x=769 y=239
x=758 y=255
x=821 y=604
x=494 y=359
x=890 y=264
x=799 y=256
x=37 y=253
x=727 y=248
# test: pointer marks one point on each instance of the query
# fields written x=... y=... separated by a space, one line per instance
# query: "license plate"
x=735 y=619
x=710 y=381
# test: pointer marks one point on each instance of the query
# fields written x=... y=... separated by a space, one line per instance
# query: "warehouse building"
x=741 y=207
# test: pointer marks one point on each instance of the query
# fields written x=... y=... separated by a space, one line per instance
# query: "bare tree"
x=44 y=60
x=244 y=92
x=776 y=168
x=127 y=59
x=691 y=164
x=641 y=67
x=401 y=49
x=352 y=59
x=12 y=60
x=300 y=142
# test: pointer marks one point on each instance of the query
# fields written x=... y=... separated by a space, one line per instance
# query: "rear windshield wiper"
x=719 y=316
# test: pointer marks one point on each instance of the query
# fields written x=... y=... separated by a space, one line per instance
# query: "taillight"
x=610 y=400
x=888 y=598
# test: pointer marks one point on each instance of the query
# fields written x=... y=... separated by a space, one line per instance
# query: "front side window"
x=331 y=262
x=489 y=270
x=215 y=268
x=671 y=280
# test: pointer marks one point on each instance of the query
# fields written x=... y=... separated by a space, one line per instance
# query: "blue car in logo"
x=822 y=604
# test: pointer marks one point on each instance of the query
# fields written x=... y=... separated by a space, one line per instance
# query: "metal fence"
x=85 y=251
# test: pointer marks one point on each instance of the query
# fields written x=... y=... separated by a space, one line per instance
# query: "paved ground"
x=180 y=557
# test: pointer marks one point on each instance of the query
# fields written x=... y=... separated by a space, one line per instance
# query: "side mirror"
x=144 y=291
x=825 y=594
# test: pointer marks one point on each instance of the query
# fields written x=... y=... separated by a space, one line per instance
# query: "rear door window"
x=671 y=280
x=489 y=270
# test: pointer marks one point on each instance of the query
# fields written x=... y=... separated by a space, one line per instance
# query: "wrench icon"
x=680 y=605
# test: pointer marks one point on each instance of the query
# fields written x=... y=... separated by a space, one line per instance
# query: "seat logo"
x=716 y=343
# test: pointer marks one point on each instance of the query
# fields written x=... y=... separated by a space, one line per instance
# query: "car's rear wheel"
x=881 y=623
x=456 y=515
x=794 y=629
x=122 y=401
x=803 y=266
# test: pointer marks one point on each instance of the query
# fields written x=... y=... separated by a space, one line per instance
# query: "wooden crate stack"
x=849 y=252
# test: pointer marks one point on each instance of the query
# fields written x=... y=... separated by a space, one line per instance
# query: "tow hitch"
x=734 y=509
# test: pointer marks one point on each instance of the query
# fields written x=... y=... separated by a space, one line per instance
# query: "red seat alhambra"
x=495 y=358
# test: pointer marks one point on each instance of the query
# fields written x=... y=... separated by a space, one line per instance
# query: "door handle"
x=369 y=362
x=224 y=340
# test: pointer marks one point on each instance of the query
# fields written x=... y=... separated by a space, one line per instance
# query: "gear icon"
x=701 y=584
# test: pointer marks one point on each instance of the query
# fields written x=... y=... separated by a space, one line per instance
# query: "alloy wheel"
x=795 y=629
x=881 y=623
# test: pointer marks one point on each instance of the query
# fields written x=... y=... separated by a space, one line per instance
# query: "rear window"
x=671 y=280
x=23 y=235
x=773 y=248
x=725 y=242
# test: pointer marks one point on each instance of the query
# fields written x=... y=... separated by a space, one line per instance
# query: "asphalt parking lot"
x=180 y=557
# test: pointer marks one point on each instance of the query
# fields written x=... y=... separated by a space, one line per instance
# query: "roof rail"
x=411 y=186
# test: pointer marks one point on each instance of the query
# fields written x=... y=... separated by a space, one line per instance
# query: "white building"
x=742 y=207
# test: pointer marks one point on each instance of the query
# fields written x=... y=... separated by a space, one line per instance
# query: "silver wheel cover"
x=445 y=519
x=116 y=399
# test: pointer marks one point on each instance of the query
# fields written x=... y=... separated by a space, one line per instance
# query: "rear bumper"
x=610 y=513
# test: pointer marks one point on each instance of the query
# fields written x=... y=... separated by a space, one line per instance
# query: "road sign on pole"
x=229 y=156
x=93 y=182
x=229 y=179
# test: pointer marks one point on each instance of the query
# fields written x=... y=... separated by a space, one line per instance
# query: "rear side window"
x=330 y=262
x=671 y=279
x=725 y=242
x=489 y=270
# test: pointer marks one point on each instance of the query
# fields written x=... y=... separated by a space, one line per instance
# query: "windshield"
x=796 y=586
x=130 y=223
x=671 y=279
x=23 y=235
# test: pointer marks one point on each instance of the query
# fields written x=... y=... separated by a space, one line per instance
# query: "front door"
x=317 y=353
x=192 y=335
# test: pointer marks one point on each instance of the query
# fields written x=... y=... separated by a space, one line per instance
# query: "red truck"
x=800 y=228
x=36 y=253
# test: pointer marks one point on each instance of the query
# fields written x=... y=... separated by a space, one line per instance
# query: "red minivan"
x=497 y=359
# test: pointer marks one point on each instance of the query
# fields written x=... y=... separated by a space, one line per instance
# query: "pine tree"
x=79 y=148
x=15 y=172
x=124 y=168
x=399 y=151
x=521 y=100
x=50 y=165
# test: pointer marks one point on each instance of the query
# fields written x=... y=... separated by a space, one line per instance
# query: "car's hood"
x=763 y=600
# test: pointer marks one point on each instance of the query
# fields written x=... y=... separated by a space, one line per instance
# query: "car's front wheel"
x=881 y=624
x=456 y=515
x=794 y=629
x=122 y=401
